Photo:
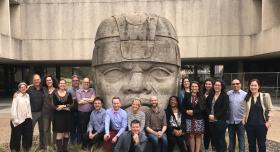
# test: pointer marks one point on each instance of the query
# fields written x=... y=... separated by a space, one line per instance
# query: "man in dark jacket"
x=132 y=141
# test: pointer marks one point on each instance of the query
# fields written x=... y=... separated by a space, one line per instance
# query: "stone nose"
x=137 y=84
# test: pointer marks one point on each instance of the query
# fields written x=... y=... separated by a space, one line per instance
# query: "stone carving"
x=136 y=56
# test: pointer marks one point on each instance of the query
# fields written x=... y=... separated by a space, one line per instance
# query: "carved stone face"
x=138 y=65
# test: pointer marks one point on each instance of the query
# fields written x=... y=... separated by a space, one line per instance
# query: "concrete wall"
x=65 y=29
x=10 y=46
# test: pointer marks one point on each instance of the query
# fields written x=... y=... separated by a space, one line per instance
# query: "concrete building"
x=57 y=36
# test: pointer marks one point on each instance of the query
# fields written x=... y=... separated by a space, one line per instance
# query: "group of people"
x=199 y=111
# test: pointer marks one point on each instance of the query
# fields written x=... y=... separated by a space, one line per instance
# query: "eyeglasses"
x=235 y=83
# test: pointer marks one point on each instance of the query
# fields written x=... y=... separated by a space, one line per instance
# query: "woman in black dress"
x=206 y=90
x=194 y=110
x=63 y=101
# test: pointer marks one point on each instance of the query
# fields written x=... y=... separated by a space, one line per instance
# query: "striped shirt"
x=138 y=116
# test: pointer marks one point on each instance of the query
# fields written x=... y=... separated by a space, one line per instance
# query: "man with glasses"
x=74 y=111
x=85 y=97
x=236 y=112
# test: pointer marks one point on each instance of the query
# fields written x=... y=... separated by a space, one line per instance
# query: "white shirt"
x=21 y=109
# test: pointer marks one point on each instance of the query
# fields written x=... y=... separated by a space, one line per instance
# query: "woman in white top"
x=21 y=123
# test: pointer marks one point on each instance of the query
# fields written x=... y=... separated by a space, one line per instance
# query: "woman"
x=175 y=125
x=136 y=113
x=217 y=111
x=21 y=120
x=257 y=116
x=206 y=90
x=194 y=109
x=185 y=89
x=49 y=84
x=62 y=101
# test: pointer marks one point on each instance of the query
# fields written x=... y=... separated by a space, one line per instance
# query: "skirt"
x=195 y=126
x=62 y=121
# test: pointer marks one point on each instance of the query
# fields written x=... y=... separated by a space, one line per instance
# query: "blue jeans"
x=238 y=129
x=158 y=144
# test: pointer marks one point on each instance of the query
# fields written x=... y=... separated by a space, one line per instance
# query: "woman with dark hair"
x=175 y=125
x=257 y=116
x=217 y=110
x=62 y=120
x=49 y=84
x=185 y=89
x=206 y=90
x=194 y=110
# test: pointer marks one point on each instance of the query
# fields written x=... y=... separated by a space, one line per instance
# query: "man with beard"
x=156 y=126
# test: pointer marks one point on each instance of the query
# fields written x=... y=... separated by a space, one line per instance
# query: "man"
x=96 y=125
x=133 y=140
x=156 y=126
x=235 y=125
x=85 y=97
x=36 y=102
x=136 y=56
x=72 y=90
x=115 y=124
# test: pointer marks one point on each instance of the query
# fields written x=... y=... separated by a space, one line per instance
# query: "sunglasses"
x=235 y=83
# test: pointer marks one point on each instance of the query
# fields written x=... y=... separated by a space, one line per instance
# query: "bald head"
x=86 y=83
x=36 y=80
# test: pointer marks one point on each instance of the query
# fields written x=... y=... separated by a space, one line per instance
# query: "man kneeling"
x=132 y=141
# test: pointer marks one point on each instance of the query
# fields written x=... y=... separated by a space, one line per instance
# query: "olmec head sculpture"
x=136 y=56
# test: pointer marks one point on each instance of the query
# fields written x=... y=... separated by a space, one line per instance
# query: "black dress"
x=62 y=119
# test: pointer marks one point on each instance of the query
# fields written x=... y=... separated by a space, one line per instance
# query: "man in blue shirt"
x=75 y=137
x=96 y=125
x=235 y=125
x=115 y=124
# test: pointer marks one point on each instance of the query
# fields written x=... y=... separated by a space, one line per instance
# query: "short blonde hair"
x=137 y=100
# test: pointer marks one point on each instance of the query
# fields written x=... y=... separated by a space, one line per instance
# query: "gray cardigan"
x=124 y=141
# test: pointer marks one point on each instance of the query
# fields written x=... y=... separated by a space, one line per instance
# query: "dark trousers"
x=256 y=133
x=75 y=137
x=83 y=122
x=97 y=140
x=173 y=140
x=21 y=132
x=239 y=130
x=207 y=137
x=218 y=133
